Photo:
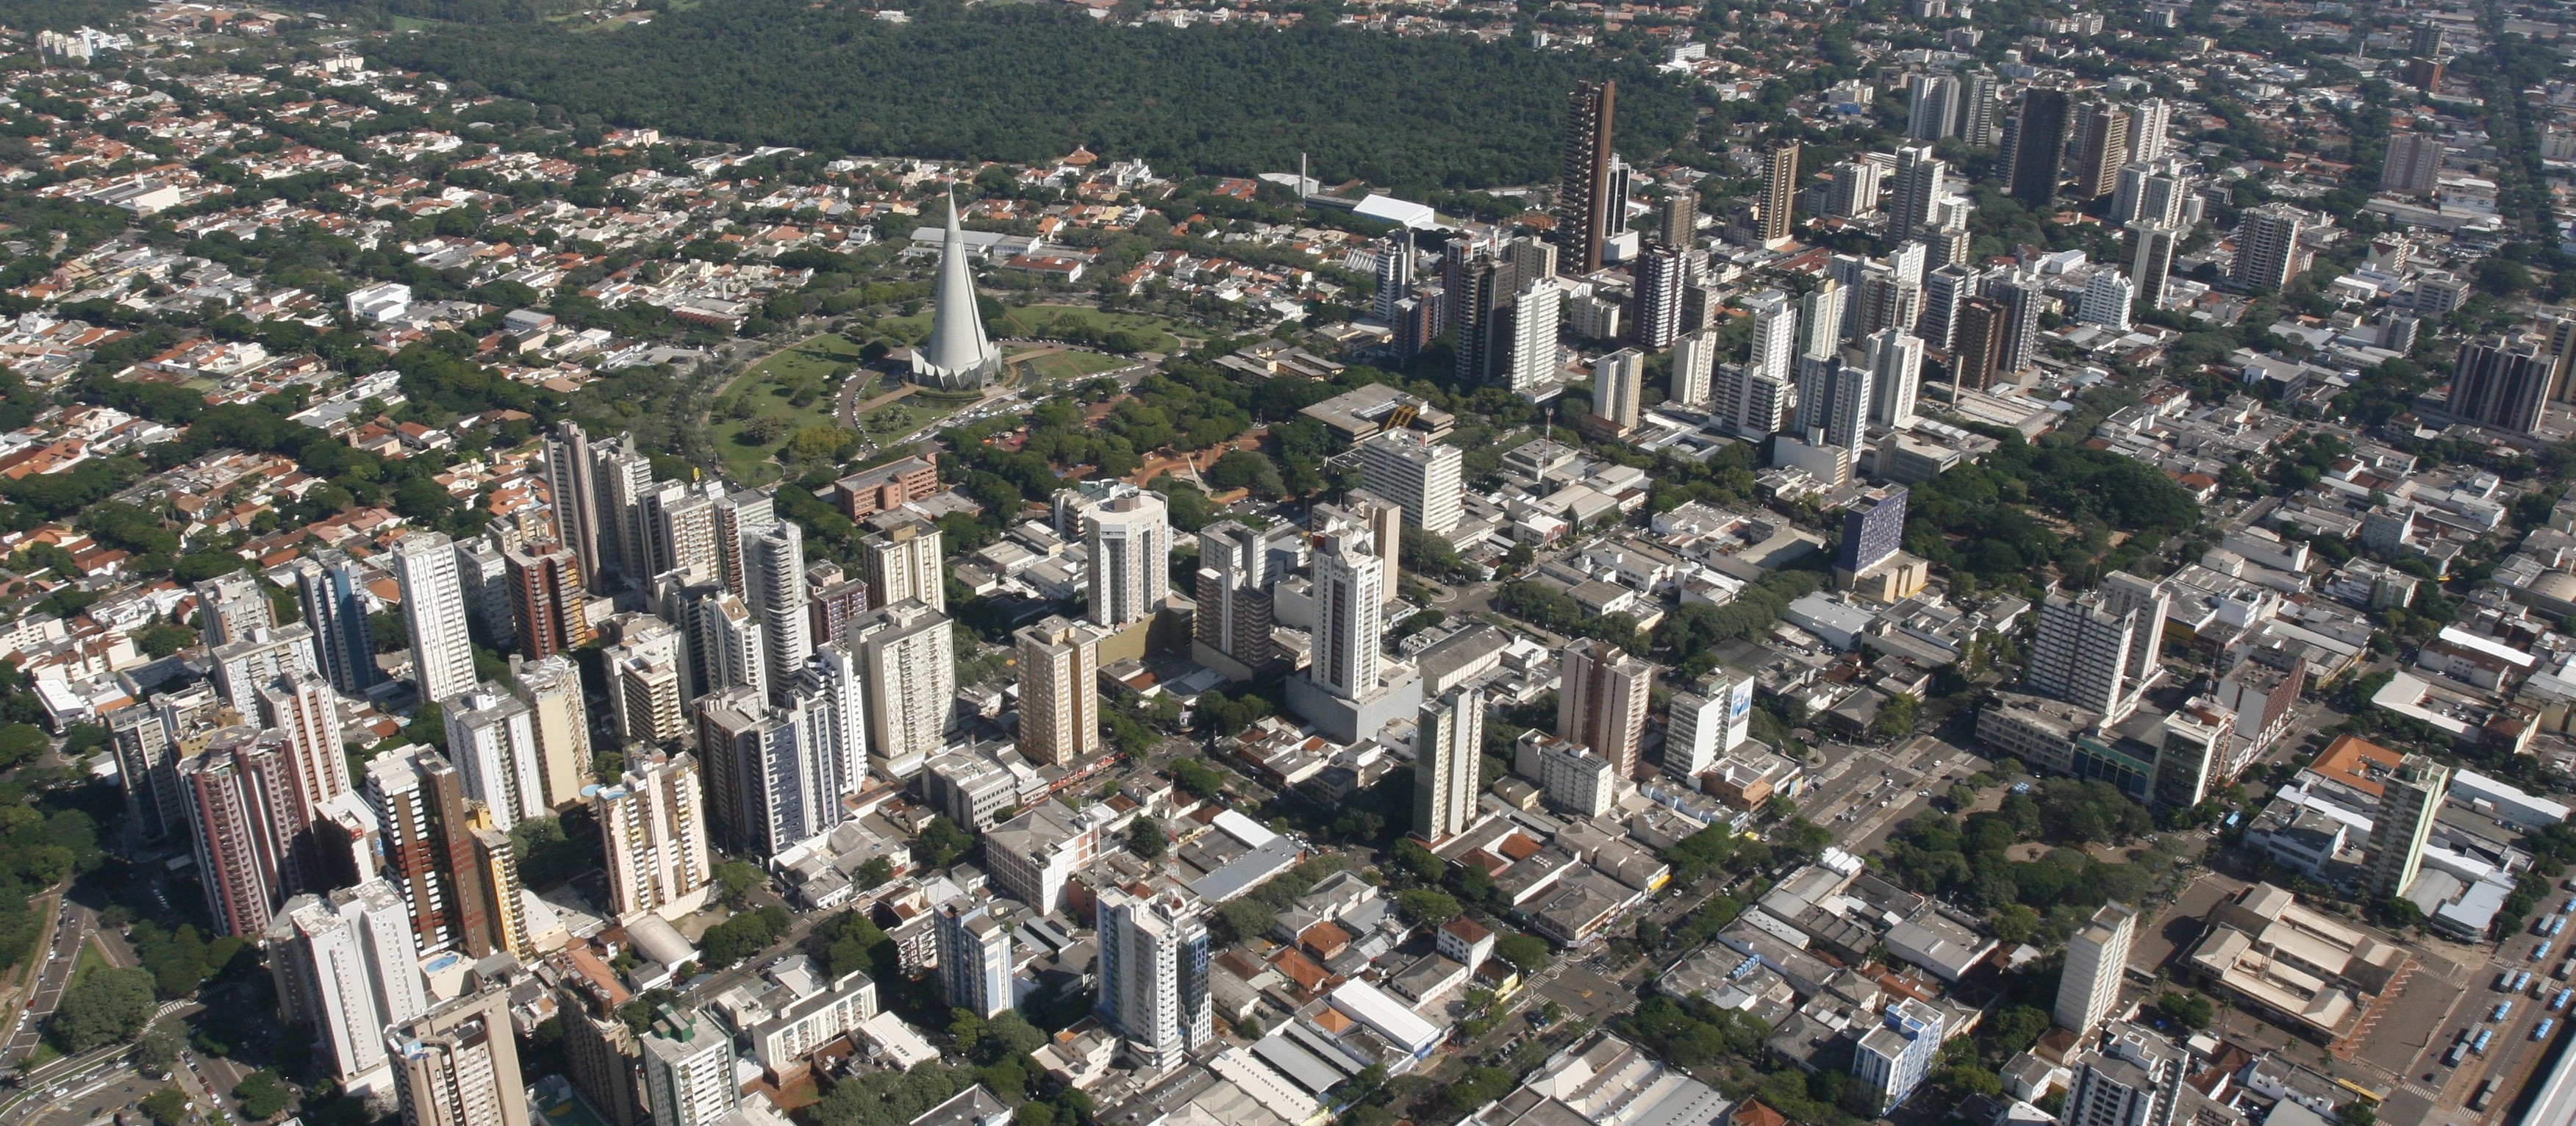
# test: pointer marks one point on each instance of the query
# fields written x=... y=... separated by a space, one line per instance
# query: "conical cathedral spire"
x=958 y=355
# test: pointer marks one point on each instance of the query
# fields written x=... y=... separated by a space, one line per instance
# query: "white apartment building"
x=1423 y=478
x=424 y=566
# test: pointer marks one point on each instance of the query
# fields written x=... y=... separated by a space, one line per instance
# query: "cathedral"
x=958 y=356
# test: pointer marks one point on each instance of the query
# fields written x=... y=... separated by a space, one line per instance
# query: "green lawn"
x=912 y=412
x=1056 y=366
x=1037 y=320
x=91 y=960
x=894 y=420
x=772 y=390
x=1049 y=320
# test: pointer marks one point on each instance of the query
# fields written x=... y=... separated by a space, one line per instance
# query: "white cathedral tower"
x=958 y=356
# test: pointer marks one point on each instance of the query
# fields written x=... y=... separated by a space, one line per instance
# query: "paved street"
x=72 y=926
x=58 y=1091
x=82 y=1096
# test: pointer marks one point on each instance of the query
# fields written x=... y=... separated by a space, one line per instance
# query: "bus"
x=2458 y=1052
x=2504 y=982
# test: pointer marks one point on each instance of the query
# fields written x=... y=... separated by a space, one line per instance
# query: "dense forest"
x=1022 y=84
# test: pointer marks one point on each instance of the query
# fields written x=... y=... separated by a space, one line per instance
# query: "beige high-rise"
x=2267 y=245
x=2103 y=148
x=1383 y=519
x=1619 y=388
x=1448 y=757
x=458 y=1065
x=909 y=663
x=1059 y=691
x=905 y=563
x=654 y=824
x=1601 y=701
x=552 y=690
x=645 y=689
x=2403 y=821
x=498 y=865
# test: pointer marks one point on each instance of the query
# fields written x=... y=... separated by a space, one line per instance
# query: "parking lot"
x=1587 y=994
x=2518 y=1042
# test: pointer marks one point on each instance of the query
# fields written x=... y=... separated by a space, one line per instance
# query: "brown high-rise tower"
x=2102 y=148
x=547 y=600
x=1585 y=215
x=1980 y=346
x=1779 y=194
x=419 y=801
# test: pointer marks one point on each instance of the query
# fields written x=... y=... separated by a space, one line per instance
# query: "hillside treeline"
x=1025 y=83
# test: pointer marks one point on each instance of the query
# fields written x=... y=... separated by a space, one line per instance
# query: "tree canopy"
x=1970 y=858
x=1025 y=84
x=106 y=1006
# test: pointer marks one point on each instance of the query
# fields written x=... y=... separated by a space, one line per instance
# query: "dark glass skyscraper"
x=2501 y=383
x=2038 y=145
x=1655 y=313
x=1872 y=531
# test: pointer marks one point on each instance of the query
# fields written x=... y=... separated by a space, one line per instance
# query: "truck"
x=2540 y=1031
x=2503 y=1009
x=2480 y=1044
